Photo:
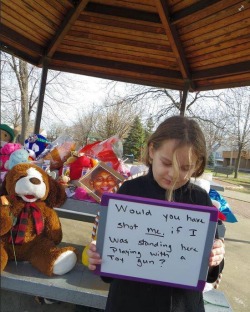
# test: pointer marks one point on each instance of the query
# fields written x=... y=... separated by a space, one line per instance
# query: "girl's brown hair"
x=187 y=132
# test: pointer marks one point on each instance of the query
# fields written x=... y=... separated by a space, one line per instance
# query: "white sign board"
x=155 y=241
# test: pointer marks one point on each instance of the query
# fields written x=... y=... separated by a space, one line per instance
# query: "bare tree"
x=161 y=102
x=17 y=99
x=11 y=113
x=20 y=90
x=238 y=125
x=55 y=130
x=82 y=128
x=101 y=122
x=212 y=117
x=115 y=118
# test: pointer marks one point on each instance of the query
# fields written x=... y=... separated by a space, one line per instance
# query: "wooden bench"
x=224 y=170
x=79 y=286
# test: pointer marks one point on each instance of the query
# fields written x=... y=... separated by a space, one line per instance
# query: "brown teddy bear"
x=30 y=229
x=6 y=134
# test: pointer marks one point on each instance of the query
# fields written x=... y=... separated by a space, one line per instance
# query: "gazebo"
x=189 y=45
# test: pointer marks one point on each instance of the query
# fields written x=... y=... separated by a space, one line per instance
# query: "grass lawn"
x=242 y=180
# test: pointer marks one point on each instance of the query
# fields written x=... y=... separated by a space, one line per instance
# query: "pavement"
x=235 y=280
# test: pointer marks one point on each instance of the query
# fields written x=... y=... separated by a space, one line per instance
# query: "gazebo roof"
x=190 y=45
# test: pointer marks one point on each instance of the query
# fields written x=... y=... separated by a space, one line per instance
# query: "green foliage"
x=210 y=160
x=135 y=140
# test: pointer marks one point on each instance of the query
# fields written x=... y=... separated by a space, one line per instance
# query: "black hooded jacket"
x=131 y=296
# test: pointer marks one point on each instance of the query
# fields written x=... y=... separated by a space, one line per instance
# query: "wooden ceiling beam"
x=11 y=34
x=120 y=77
x=124 y=12
x=222 y=71
x=92 y=61
x=225 y=85
x=174 y=40
x=196 y=7
x=17 y=53
x=66 y=25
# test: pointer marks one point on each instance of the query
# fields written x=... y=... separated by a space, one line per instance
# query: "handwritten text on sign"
x=154 y=242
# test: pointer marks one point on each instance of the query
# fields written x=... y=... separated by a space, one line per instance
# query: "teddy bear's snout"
x=35 y=181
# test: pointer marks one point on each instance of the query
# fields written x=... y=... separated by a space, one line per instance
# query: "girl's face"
x=103 y=182
x=172 y=166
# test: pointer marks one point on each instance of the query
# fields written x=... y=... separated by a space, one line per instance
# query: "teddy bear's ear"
x=57 y=195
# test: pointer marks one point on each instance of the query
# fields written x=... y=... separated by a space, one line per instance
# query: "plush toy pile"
x=30 y=229
x=63 y=162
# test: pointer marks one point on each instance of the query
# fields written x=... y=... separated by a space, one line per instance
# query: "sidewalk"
x=235 y=280
x=231 y=194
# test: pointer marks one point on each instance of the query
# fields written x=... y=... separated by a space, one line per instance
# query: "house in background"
x=229 y=159
x=217 y=154
x=224 y=156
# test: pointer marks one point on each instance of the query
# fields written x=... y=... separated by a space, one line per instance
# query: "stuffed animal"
x=6 y=134
x=32 y=154
x=63 y=180
x=82 y=194
x=205 y=184
x=77 y=166
x=30 y=229
x=17 y=157
x=5 y=153
x=36 y=143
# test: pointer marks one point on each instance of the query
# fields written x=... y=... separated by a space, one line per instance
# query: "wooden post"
x=184 y=99
x=41 y=95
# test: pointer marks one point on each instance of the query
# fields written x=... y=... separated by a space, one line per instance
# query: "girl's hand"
x=94 y=257
x=217 y=253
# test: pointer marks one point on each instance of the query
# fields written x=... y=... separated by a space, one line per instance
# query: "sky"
x=87 y=91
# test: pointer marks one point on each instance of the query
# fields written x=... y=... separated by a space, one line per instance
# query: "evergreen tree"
x=135 y=140
x=149 y=128
x=210 y=160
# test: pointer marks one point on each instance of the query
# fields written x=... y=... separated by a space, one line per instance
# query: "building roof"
x=183 y=45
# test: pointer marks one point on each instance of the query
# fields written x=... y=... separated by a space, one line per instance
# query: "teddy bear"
x=6 y=134
x=30 y=229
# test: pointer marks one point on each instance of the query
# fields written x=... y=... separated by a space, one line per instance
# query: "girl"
x=176 y=151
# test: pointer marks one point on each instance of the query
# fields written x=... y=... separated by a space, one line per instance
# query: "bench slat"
x=78 y=210
x=79 y=286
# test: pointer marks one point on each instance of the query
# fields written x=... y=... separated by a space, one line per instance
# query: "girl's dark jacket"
x=131 y=296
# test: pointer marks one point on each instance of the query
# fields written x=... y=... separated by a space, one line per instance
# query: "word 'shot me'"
x=155 y=244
